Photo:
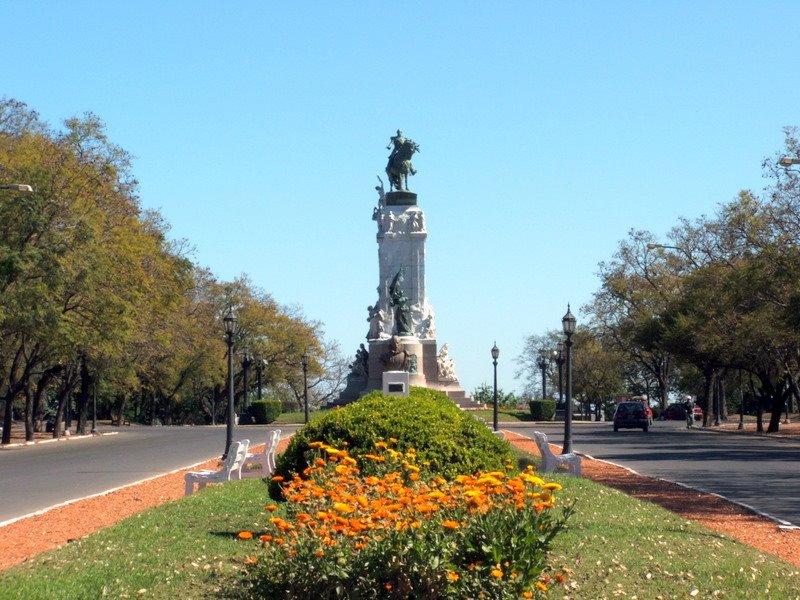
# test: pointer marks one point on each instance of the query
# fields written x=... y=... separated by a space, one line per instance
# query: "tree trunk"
x=41 y=386
x=28 y=412
x=121 y=402
x=723 y=403
x=84 y=395
x=708 y=392
x=68 y=382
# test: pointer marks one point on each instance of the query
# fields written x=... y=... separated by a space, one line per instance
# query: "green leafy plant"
x=542 y=410
x=446 y=439
x=265 y=411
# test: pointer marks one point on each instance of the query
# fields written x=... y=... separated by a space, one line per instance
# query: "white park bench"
x=262 y=464
x=550 y=461
x=231 y=469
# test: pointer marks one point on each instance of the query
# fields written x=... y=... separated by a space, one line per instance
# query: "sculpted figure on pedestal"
x=396 y=358
x=400 y=166
x=402 y=316
x=446 y=366
x=375 y=319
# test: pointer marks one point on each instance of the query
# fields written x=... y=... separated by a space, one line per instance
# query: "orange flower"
x=451 y=576
x=265 y=538
x=560 y=578
x=270 y=507
x=245 y=535
x=496 y=573
x=251 y=561
x=319 y=553
x=451 y=524
x=278 y=478
x=527 y=594
x=541 y=586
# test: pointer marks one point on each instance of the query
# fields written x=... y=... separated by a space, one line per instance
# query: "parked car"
x=631 y=415
x=677 y=412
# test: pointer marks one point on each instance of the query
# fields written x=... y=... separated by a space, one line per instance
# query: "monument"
x=401 y=324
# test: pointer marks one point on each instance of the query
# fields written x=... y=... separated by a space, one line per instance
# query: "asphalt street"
x=43 y=475
x=756 y=471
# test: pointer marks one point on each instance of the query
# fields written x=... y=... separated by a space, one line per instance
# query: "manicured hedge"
x=542 y=410
x=447 y=439
x=265 y=411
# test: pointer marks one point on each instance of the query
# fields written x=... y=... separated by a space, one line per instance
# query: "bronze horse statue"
x=400 y=166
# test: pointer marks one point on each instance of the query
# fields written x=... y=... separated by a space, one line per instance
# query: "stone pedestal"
x=402 y=231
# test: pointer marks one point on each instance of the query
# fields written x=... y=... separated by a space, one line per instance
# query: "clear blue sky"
x=548 y=130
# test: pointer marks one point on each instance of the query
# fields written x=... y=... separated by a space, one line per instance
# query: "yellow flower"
x=343 y=508
x=555 y=487
x=541 y=586
x=451 y=576
x=496 y=573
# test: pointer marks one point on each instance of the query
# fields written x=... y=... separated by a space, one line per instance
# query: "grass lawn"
x=616 y=547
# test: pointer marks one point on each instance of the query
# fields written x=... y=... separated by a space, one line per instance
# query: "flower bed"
x=403 y=531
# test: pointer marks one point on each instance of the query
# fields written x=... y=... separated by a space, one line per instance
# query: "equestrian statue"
x=400 y=166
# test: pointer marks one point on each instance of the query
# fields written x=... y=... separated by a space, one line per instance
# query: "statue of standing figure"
x=399 y=166
x=402 y=312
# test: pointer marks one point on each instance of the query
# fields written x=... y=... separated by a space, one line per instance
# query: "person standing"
x=689 y=405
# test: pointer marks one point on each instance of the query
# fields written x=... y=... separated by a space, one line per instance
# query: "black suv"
x=630 y=415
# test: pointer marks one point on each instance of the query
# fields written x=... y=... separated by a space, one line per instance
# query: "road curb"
x=66 y=438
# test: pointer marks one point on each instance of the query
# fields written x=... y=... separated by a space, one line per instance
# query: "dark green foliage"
x=448 y=440
x=265 y=411
x=542 y=410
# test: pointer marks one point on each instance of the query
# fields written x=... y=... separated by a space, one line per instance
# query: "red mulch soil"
x=24 y=539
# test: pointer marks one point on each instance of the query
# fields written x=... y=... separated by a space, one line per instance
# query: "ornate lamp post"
x=559 y=357
x=304 y=360
x=230 y=321
x=568 y=324
x=542 y=363
x=259 y=371
x=495 y=356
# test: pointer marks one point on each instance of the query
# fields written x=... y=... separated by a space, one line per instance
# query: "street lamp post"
x=495 y=356
x=560 y=363
x=788 y=161
x=568 y=324
x=305 y=384
x=230 y=331
x=542 y=362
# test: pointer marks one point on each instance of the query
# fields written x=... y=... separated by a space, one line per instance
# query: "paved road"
x=756 y=471
x=40 y=476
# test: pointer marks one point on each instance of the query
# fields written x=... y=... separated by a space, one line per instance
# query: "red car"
x=677 y=412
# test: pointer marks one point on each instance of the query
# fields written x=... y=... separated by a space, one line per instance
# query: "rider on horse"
x=400 y=165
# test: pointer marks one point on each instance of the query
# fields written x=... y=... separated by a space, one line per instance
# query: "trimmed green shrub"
x=447 y=440
x=265 y=411
x=542 y=410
